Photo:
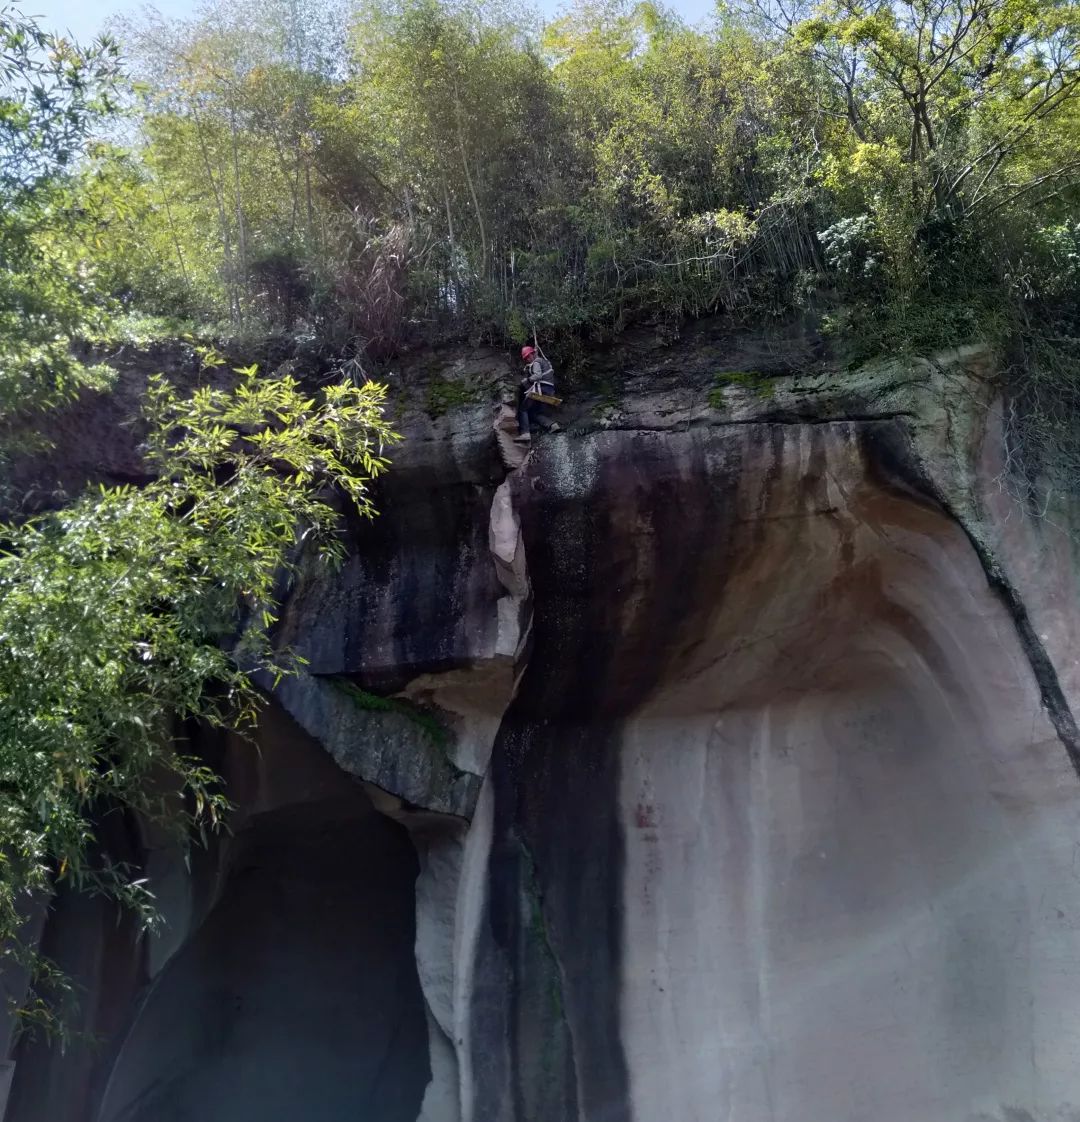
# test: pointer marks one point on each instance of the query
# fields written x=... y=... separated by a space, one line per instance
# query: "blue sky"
x=85 y=18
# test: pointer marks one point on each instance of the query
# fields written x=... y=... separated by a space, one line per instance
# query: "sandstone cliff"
x=728 y=772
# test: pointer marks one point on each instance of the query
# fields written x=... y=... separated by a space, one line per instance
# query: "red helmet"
x=527 y=352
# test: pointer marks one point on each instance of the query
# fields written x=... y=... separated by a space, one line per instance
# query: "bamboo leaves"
x=134 y=610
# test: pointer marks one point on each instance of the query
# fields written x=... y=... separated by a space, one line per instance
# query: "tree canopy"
x=52 y=97
x=394 y=167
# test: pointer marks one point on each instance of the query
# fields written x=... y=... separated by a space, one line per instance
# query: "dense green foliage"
x=428 y=166
x=119 y=615
x=52 y=95
x=131 y=610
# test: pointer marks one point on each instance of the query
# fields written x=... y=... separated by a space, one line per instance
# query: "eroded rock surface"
x=726 y=776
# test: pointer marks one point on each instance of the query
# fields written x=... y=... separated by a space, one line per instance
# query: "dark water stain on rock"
x=610 y=574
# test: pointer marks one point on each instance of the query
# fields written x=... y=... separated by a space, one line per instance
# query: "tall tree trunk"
x=172 y=231
x=241 y=235
x=226 y=240
x=453 y=246
x=469 y=181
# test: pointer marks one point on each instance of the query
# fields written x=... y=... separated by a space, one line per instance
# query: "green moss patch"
x=754 y=382
x=423 y=718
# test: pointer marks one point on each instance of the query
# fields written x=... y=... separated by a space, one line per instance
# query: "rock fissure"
x=1042 y=665
x=964 y=508
x=765 y=421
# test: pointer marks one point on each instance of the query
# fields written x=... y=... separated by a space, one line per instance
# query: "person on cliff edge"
x=538 y=379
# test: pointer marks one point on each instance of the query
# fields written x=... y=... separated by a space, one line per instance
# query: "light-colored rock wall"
x=782 y=830
x=753 y=802
x=849 y=834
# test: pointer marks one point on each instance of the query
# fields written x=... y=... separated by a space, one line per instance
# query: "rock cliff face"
x=728 y=774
